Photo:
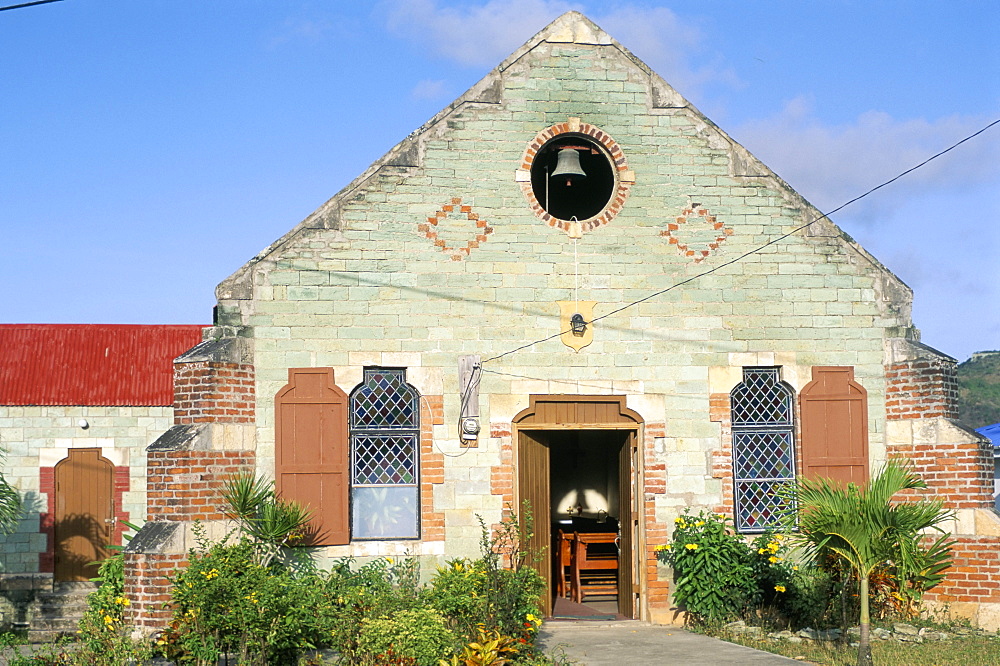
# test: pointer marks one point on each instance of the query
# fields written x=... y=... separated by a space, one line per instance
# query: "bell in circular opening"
x=572 y=177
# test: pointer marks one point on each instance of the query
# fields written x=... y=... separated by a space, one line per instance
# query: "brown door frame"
x=534 y=418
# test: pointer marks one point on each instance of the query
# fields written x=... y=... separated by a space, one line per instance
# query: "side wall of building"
x=36 y=439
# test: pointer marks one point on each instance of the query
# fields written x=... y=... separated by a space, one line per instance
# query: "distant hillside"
x=979 y=390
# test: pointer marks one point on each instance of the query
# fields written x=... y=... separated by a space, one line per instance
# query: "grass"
x=957 y=651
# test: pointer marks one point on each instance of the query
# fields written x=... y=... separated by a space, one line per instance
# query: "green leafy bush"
x=713 y=568
x=226 y=601
x=419 y=634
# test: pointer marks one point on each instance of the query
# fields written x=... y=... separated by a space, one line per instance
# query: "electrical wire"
x=28 y=4
x=743 y=256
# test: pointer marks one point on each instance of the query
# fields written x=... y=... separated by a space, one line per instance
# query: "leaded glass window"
x=385 y=462
x=763 y=447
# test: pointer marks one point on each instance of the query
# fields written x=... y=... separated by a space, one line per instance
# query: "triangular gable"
x=573 y=28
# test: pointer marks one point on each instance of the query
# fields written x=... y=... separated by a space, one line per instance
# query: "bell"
x=568 y=166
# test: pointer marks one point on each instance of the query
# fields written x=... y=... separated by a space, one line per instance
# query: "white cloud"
x=665 y=43
x=831 y=164
x=480 y=35
x=428 y=89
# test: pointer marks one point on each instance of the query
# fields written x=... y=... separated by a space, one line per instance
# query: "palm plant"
x=867 y=530
x=10 y=503
x=271 y=521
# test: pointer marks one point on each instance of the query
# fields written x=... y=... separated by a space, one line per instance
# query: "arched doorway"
x=84 y=515
x=578 y=469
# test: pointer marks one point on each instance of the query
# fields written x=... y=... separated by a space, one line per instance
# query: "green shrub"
x=226 y=601
x=713 y=568
x=419 y=634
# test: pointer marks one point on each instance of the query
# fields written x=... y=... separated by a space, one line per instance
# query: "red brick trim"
x=431 y=468
x=617 y=159
x=46 y=519
x=975 y=572
x=480 y=231
x=502 y=474
x=654 y=483
x=695 y=213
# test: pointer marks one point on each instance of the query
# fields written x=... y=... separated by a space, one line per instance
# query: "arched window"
x=763 y=447
x=385 y=465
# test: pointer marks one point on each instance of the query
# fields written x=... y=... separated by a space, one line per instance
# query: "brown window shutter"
x=835 y=426
x=312 y=452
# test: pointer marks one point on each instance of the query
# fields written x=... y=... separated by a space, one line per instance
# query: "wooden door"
x=312 y=452
x=84 y=516
x=628 y=525
x=533 y=487
x=835 y=426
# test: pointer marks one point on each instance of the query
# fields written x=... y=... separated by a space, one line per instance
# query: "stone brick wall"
x=213 y=392
x=36 y=438
x=370 y=279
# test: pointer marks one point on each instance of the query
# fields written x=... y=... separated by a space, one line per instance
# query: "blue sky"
x=149 y=149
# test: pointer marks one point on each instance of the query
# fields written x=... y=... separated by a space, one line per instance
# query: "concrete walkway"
x=631 y=643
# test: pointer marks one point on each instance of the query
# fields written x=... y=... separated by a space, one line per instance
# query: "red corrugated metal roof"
x=90 y=364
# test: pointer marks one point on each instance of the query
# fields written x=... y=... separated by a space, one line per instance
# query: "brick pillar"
x=957 y=465
x=921 y=387
x=213 y=438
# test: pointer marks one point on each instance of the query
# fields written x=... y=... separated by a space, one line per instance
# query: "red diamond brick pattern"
x=695 y=216
x=430 y=229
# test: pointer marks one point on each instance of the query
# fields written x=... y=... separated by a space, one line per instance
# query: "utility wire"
x=743 y=256
x=28 y=4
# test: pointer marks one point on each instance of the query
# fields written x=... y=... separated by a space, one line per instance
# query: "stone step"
x=58 y=612
x=48 y=636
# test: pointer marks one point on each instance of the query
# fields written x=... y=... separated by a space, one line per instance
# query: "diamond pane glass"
x=763 y=455
x=385 y=512
x=384 y=459
x=761 y=399
x=758 y=507
x=384 y=400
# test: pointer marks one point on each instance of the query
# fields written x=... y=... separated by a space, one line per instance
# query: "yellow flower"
x=773 y=559
x=761 y=551
x=662 y=547
x=699 y=523
x=795 y=568
x=678 y=520
x=692 y=546
x=779 y=588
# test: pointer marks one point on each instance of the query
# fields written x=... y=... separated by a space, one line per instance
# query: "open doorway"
x=585 y=513
x=578 y=484
x=577 y=470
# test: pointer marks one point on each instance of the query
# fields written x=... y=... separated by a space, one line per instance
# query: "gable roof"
x=575 y=29
x=91 y=364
